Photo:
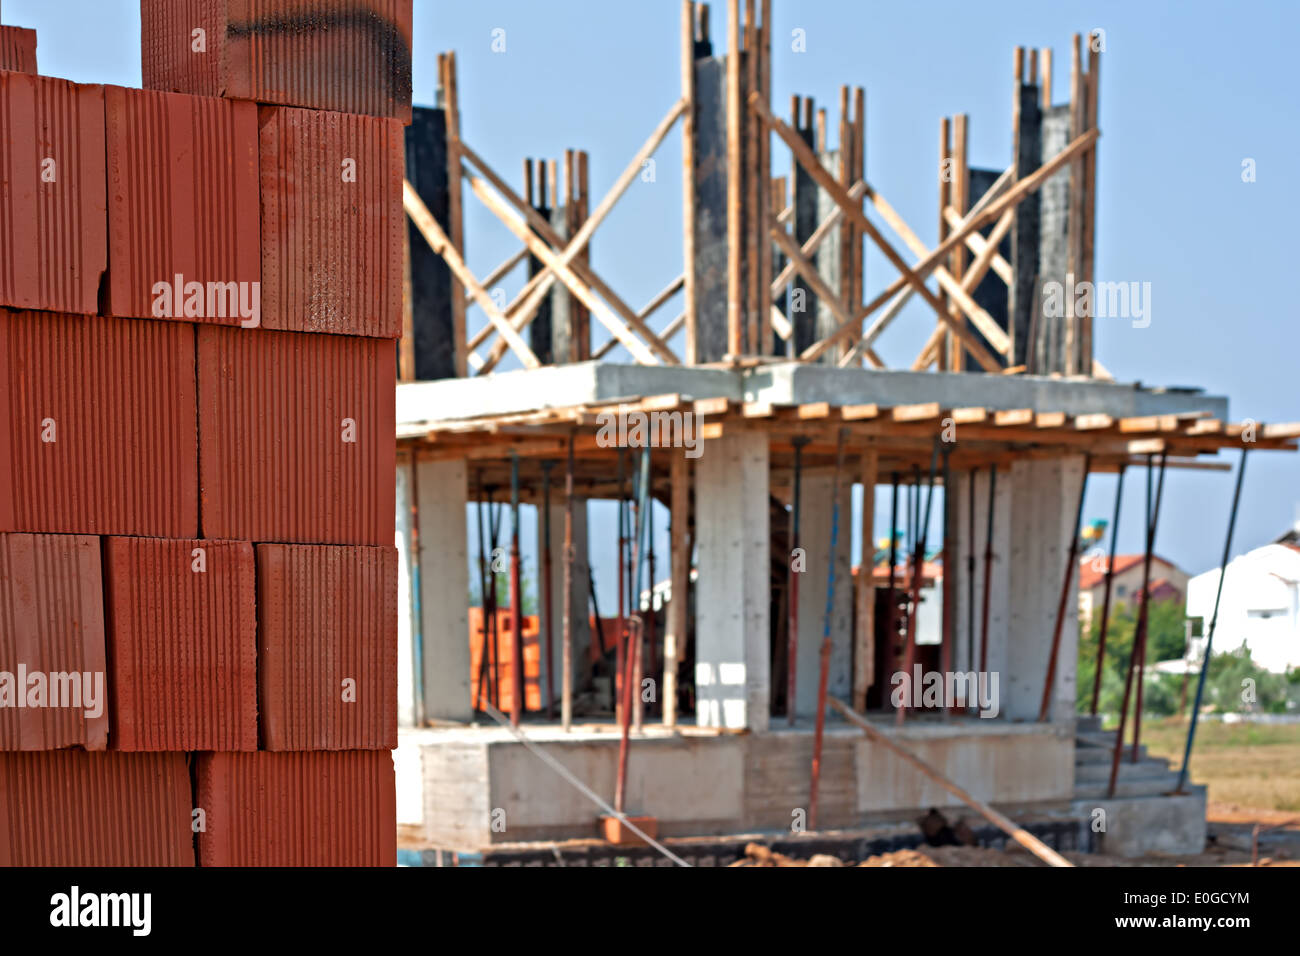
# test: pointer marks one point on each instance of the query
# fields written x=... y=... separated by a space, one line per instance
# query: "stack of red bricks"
x=201 y=287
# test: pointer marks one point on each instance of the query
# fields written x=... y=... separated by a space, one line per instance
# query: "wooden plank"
x=977 y=244
x=1013 y=416
x=824 y=229
x=1140 y=423
x=442 y=245
x=853 y=413
x=913 y=413
x=970 y=415
x=1092 y=421
x=1050 y=419
x=811 y=410
x=711 y=406
x=764 y=174
x=809 y=272
x=757 y=410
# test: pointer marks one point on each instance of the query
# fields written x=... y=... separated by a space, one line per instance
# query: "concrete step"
x=1087 y=724
x=1152 y=786
x=1085 y=754
x=1100 y=770
x=1150 y=824
x=1095 y=738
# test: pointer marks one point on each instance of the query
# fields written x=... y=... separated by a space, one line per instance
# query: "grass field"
x=1252 y=765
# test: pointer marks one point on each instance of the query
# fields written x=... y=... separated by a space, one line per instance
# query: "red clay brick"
x=53 y=244
x=97 y=426
x=72 y=808
x=51 y=623
x=275 y=412
x=326 y=616
x=182 y=650
x=333 y=264
x=353 y=56
x=298 y=809
x=18 y=50
x=182 y=176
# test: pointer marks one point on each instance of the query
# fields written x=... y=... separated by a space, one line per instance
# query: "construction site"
x=318 y=550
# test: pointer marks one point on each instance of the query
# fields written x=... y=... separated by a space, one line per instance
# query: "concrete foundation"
x=704 y=783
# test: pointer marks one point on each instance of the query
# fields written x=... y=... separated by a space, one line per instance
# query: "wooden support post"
x=864 y=638
x=1074 y=258
x=763 y=139
x=945 y=342
x=960 y=198
x=735 y=193
x=455 y=226
x=1089 y=224
x=688 y=177
x=679 y=522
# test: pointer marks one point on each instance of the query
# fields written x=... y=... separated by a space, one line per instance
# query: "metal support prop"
x=1144 y=622
x=516 y=601
x=1214 y=620
x=1071 y=560
x=891 y=613
x=566 y=653
x=1105 y=604
x=988 y=571
x=970 y=570
x=634 y=633
x=483 y=584
x=619 y=627
x=918 y=574
x=792 y=605
x=650 y=573
x=1138 y=636
x=546 y=588
x=824 y=676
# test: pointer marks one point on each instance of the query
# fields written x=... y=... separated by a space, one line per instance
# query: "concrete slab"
x=782 y=384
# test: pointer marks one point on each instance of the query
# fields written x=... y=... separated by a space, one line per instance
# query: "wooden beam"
x=824 y=228
x=455 y=222
x=1014 y=195
x=680 y=571
x=827 y=182
x=735 y=194
x=688 y=177
x=442 y=245
x=563 y=272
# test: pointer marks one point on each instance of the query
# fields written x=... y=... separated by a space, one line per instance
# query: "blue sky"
x=1189 y=90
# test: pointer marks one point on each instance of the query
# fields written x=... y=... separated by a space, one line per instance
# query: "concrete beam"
x=733 y=593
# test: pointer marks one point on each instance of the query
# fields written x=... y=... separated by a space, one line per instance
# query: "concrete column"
x=815 y=539
x=581 y=618
x=732 y=617
x=406 y=623
x=999 y=592
x=1046 y=497
x=442 y=494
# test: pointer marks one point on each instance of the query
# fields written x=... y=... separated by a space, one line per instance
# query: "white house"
x=1260 y=606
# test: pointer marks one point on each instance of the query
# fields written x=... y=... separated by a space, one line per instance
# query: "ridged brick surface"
x=72 y=808
x=53 y=243
x=181 y=644
x=118 y=400
x=298 y=809
x=182 y=186
x=331 y=222
x=273 y=413
x=52 y=624
x=17 y=49
x=353 y=56
x=326 y=616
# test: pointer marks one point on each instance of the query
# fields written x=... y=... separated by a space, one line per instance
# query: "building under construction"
x=747 y=681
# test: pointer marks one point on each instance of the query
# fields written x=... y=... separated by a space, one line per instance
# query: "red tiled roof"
x=1092 y=572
